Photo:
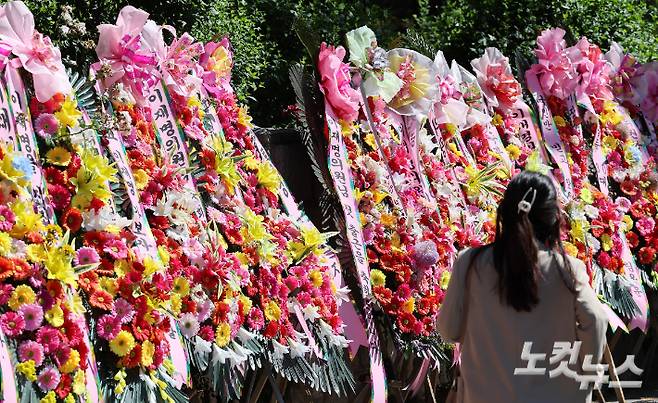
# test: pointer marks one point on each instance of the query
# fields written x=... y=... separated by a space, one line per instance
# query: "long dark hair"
x=529 y=215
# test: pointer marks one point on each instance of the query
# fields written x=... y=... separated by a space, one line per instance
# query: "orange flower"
x=88 y=281
x=101 y=300
x=72 y=219
x=6 y=268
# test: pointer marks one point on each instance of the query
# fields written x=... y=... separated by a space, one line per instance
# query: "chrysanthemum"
x=86 y=255
x=108 y=327
x=48 y=378
x=223 y=334
x=189 y=325
x=33 y=315
x=12 y=324
x=122 y=343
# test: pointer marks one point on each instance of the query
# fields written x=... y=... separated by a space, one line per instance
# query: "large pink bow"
x=556 y=64
x=217 y=62
x=122 y=57
x=178 y=61
x=34 y=52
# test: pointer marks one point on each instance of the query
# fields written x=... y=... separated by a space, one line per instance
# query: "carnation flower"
x=12 y=324
x=189 y=325
x=31 y=350
x=49 y=338
x=48 y=378
x=33 y=315
x=645 y=225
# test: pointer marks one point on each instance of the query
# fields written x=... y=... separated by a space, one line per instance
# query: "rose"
x=335 y=82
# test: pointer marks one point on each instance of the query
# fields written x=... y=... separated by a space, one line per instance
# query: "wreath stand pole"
x=607 y=356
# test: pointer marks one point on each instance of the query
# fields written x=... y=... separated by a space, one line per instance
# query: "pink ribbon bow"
x=556 y=64
x=122 y=57
x=178 y=61
x=33 y=51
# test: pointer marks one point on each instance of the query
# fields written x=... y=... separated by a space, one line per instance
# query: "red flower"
x=64 y=387
x=59 y=196
x=271 y=329
x=647 y=255
x=53 y=175
x=6 y=268
x=88 y=281
x=101 y=299
x=133 y=358
x=406 y=322
x=72 y=219
x=632 y=239
x=22 y=269
x=74 y=165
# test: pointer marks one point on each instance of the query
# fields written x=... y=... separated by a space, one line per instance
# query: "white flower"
x=297 y=349
x=591 y=211
x=93 y=220
x=279 y=350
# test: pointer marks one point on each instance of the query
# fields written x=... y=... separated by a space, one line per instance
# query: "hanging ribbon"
x=26 y=141
x=527 y=130
x=9 y=390
x=339 y=169
x=550 y=135
x=172 y=141
x=7 y=134
x=632 y=272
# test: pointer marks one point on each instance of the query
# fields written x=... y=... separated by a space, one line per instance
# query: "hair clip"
x=525 y=205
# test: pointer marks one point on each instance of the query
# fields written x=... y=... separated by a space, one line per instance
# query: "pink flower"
x=188 y=325
x=49 y=338
x=33 y=316
x=59 y=196
x=255 y=319
x=5 y=292
x=48 y=378
x=108 y=327
x=7 y=219
x=31 y=350
x=123 y=310
x=12 y=324
x=594 y=71
x=645 y=225
x=116 y=248
x=646 y=90
x=335 y=82
x=86 y=255
x=46 y=125
x=555 y=68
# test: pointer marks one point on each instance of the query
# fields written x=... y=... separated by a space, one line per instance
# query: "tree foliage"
x=265 y=43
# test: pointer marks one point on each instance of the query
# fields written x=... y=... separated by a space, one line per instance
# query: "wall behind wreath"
x=265 y=43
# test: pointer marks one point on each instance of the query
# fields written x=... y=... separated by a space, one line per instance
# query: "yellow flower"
x=69 y=399
x=268 y=177
x=369 y=139
x=176 y=303
x=609 y=142
x=514 y=151
x=27 y=369
x=409 y=305
x=164 y=255
x=13 y=172
x=243 y=117
x=586 y=196
x=223 y=334
x=246 y=303
x=23 y=294
x=59 y=267
x=26 y=219
x=55 y=316
x=5 y=244
x=570 y=249
x=610 y=114
x=606 y=242
x=181 y=286
x=89 y=184
x=148 y=350
x=497 y=120
x=454 y=150
x=388 y=220
x=272 y=311
x=220 y=61
x=58 y=156
x=79 y=385
x=49 y=398
x=122 y=344
x=255 y=228
x=68 y=114
x=377 y=277
x=559 y=121
x=628 y=222
x=150 y=267
x=72 y=363
x=316 y=278
x=109 y=285
x=445 y=280
x=141 y=178
x=311 y=236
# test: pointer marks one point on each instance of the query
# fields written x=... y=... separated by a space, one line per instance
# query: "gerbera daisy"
x=7 y=218
x=58 y=156
x=72 y=219
x=101 y=299
x=189 y=325
x=46 y=125
x=86 y=256
x=31 y=350
x=116 y=248
x=33 y=315
x=122 y=343
x=108 y=327
x=59 y=196
x=12 y=324
x=48 y=378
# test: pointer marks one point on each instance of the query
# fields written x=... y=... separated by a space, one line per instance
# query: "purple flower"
x=189 y=325
x=425 y=254
x=86 y=255
x=203 y=310
x=108 y=327
x=46 y=125
x=7 y=219
x=12 y=324
x=123 y=310
x=33 y=315
x=31 y=350
x=48 y=378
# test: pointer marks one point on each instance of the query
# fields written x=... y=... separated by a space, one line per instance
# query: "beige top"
x=492 y=334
